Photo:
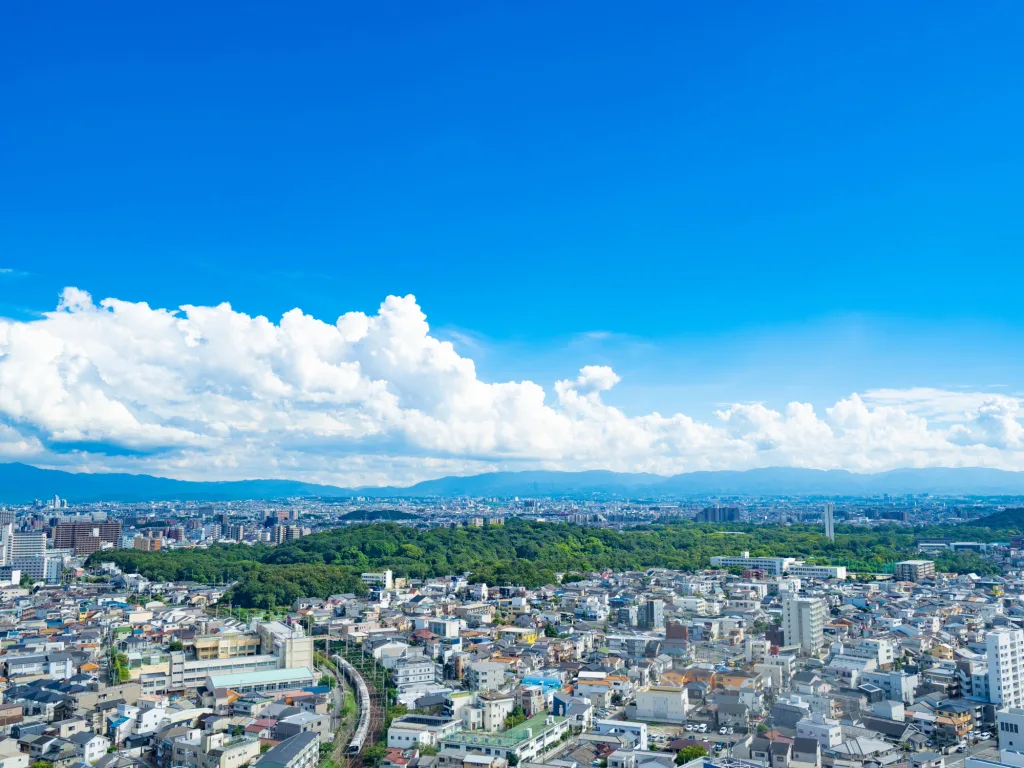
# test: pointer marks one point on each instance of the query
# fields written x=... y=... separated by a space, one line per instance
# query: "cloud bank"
x=211 y=393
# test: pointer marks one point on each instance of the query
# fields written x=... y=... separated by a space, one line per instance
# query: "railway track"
x=371 y=703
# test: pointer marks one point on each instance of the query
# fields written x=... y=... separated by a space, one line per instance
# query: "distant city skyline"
x=657 y=239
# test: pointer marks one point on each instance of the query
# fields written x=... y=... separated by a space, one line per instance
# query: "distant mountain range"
x=20 y=483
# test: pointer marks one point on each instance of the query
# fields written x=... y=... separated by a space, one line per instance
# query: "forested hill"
x=520 y=552
x=1011 y=520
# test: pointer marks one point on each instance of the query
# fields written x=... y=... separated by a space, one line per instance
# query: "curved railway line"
x=370 y=707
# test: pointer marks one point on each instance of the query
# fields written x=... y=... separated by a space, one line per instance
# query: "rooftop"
x=263 y=676
x=510 y=738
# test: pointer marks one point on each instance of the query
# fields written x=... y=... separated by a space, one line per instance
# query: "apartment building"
x=803 y=622
x=1005 y=653
x=486 y=675
x=914 y=570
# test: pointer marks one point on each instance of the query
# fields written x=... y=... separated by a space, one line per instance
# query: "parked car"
x=723 y=730
x=731 y=731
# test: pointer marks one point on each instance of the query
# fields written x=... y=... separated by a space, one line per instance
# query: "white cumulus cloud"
x=208 y=392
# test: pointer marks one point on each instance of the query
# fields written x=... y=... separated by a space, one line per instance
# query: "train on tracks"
x=363 y=699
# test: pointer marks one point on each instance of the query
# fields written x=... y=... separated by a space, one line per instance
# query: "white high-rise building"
x=1005 y=651
x=803 y=622
x=28 y=544
x=830 y=523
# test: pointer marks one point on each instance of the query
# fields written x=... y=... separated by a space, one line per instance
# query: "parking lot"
x=661 y=734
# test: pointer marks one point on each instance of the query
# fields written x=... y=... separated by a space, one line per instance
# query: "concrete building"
x=1010 y=730
x=226 y=645
x=661 y=704
x=802 y=571
x=914 y=570
x=830 y=524
x=824 y=730
x=288 y=643
x=147 y=543
x=486 y=675
x=86 y=537
x=652 y=614
x=272 y=682
x=1005 y=652
x=303 y=722
x=48 y=568
x=412 y=672
x=530 y=742
x=420 y=731
x=878 y=648
x=632 y=735
x=773 y=566
x=897 y=686
x=26 y=544
x=803 y=621
x=385 y=579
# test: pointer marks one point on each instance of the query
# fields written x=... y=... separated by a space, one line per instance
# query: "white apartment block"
x=880 y=649
x=662 y=704
x=803 y=622
x=1005 y=651
x=823 y=730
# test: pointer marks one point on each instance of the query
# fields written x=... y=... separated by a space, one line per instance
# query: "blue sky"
x=723 y=202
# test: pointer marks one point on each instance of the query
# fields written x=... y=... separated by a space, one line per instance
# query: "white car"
x=703 y=727
x=689 y=726
x=731 y=731
x=985 y=736
x=723 y=730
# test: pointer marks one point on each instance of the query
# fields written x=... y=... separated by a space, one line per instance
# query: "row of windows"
x=1009 y=727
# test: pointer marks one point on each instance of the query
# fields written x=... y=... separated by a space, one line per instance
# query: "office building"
x=803 y=622
x=1005 y=652
x=914 y=570
x=830 y=524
